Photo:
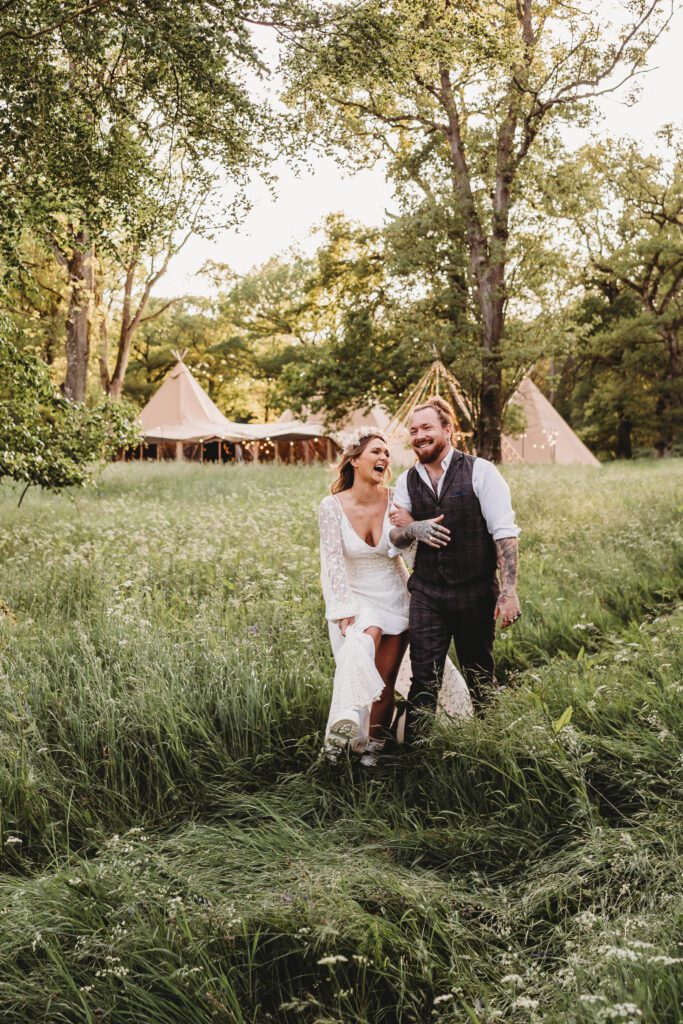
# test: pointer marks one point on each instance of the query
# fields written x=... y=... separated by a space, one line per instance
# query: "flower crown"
x=359 y=435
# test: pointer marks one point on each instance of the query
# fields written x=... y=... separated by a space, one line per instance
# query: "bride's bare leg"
x=389 y=651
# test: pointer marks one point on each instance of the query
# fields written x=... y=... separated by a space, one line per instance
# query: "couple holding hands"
x=451 y=513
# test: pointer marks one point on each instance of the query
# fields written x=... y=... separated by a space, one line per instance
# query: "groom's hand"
x=428 y=531
x=507 y=608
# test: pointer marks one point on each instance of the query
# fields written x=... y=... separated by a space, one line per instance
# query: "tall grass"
x=173 y=848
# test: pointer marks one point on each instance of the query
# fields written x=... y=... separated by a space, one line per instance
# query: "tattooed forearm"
x=399 y=537
x=507 y=551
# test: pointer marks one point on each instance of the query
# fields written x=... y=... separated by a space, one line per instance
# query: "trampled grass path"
x=175 y=852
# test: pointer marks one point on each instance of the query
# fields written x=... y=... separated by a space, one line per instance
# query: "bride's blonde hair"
x=356 y=447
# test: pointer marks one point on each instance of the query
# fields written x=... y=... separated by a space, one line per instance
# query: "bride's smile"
x=371 y=466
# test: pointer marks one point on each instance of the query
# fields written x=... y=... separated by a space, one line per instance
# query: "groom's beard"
x=428 y=455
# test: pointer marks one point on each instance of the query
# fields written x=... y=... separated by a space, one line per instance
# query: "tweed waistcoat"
x=471 y=551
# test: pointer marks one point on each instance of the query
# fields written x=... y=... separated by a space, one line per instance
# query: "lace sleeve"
x=339 y=599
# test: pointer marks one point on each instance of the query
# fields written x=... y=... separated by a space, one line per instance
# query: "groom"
x=466 y=530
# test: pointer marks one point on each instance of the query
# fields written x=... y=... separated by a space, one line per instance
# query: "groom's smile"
x=428 y=448
x=429 y=439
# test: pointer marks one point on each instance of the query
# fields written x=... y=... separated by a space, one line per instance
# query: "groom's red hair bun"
x=440 y=407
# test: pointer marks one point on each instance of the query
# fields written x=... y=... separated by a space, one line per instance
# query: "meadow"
x=174 y=850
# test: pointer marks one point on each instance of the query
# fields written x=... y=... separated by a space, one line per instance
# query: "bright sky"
x=304 y=199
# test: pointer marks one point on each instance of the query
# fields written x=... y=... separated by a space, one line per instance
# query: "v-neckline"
x=373 y=547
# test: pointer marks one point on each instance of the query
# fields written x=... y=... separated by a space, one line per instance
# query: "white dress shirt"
x=489 y=487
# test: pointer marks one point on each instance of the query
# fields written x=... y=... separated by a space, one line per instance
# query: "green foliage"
x=46 y=440
x=173 y=849
x=466 y=103
x=96 y=107
x=114 y=122
x=627 y=373
x=344 y=329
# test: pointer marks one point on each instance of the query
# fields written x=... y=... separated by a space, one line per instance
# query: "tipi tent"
x=547 y=437
x=181 y=412
x=181 y=421
x=399 y=446
x=290 y=441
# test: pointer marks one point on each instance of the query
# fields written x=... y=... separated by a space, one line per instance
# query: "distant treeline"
x=127 y=129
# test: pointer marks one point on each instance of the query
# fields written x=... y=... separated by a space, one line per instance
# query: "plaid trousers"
x=463 y=614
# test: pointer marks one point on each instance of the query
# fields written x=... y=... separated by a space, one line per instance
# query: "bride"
x=366 y=600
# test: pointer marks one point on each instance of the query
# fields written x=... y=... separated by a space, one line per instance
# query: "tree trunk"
x=624 y=449
x=668 y=398
x=52 y=337
x=80 y=268
x=131 y=320
x=491 y=296
x=128 y=324
x=103 y=330
x=119 y=375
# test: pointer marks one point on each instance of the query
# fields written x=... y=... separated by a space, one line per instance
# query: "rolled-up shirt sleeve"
x=495 y=500
x=402 y=498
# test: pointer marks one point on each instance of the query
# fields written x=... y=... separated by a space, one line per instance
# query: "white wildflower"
x=113 y=968
x=331 y=960
x=443 y=999
x=512 y=979
x=525 y=1003
x=619 y=953
x=13 y=840
x=623 y=1010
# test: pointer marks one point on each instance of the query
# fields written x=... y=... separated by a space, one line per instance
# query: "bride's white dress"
x=365 y=582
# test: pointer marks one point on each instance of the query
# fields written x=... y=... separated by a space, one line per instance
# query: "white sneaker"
x=373 y=750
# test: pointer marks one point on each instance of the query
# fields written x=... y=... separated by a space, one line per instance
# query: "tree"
x=97 y=101
x=635 y=243
x=267 y=319
x=218 y=358
x=47 y=440
x=33 y=299
x=163 y=223
x=472 y=95
x=360 y=321
x=604 y=384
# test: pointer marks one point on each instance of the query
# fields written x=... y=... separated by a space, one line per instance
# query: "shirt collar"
x=446 y=461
